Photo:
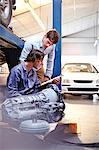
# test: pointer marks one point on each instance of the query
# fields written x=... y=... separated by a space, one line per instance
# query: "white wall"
x=72 y=58
x=80 y=48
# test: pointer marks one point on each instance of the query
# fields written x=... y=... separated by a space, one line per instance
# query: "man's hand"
x=56 y=81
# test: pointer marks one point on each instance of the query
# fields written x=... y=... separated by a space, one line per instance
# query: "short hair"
x=34 y=54
x=53 y=35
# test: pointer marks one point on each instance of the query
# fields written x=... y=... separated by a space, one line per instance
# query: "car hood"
x=81 y=76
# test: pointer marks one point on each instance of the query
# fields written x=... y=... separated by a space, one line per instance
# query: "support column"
x=57 y=25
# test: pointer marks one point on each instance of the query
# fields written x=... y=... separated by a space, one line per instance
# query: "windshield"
x=79 y=67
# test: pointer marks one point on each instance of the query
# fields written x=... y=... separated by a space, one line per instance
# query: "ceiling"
x=22 y=5
x=25 y=23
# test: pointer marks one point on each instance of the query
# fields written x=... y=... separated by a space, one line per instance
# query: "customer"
x=23 y=78
x=47 y=46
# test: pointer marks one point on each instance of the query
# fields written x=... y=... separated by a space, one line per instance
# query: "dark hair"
x=53 y=36
x=34 y=54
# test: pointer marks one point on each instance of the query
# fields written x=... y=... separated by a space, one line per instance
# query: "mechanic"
x=23 y=78
x=47 y=46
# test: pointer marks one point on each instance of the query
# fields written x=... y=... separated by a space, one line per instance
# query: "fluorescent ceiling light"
x=96 y=42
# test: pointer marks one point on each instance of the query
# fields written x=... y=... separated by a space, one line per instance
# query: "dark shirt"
x=21 y=82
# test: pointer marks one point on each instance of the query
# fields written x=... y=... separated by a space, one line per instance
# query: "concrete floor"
x=84 y=112
x=80 y=110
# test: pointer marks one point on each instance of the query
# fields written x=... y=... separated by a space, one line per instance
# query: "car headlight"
x=66 y=81
x=97 y=81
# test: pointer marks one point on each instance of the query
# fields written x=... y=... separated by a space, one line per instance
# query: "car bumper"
x=80 y=89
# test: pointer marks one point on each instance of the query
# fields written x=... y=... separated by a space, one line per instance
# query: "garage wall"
x=80 y=47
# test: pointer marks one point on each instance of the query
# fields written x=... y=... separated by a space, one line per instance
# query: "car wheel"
x=90 y=96
x=38 y=127
x=5 y=12
x=13 y=2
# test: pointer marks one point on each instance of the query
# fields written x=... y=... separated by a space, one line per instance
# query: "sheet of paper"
x=49 y=81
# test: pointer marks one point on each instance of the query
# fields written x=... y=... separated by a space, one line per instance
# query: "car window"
x=79 y=67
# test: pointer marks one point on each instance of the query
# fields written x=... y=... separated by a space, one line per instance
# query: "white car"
x=80 y=78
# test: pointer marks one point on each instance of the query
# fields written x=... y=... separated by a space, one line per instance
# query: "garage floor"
x=80 y=110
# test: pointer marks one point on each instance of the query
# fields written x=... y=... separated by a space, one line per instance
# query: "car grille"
x=83 y=81
x=83 y=89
